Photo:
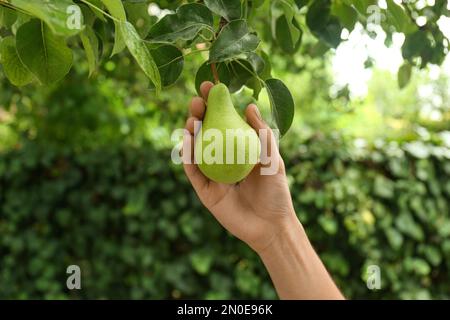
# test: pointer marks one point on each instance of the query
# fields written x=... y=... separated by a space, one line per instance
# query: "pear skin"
x=226 y=147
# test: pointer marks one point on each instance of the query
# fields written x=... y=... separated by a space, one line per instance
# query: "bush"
x=131 y=221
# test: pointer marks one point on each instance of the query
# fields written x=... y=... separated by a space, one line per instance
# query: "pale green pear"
x=226 y=147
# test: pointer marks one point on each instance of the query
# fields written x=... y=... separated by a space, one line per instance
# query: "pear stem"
x=215 y=73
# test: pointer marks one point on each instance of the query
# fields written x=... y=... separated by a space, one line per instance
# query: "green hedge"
x=131 y=221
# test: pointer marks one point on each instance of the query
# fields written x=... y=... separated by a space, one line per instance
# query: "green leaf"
x=90 y=45
x=201 y=261
x=234 y=40
x=399 y=18
x=204 y=73
x=416 y=45
x=14 y=69
x=241 y=71
x=229 y=9
x=98 y=4
x=404 y=75
x=346 y=14
x=185 y=24
x=301 y=3
x=322 y=24
x=141 y=53
x=55 y=13
x=362 y=5
x=255 y=84
x=282 y=104
x=257 y=3
x=116 y=9
x=394 y=237
x=137 y=14
x=7 y=17
x=257 y=63
x=284 y=36
x=328 y=224
x=266 y=73
x=252 y=77
x=408 y=226
x=285 y=30
x=22 y=18
x=170 y=62
x=433 y=255
x=43 y=53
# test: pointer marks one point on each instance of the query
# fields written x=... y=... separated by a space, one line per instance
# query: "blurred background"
x=86 y=179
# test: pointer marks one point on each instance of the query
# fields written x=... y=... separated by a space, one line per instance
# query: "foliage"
x=136 y=228
x=85 y=176
x=39 y=36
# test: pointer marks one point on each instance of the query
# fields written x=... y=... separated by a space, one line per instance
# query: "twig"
x=215 y=73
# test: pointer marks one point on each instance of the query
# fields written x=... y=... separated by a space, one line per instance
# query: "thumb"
x=254 y=118
x=269 y=146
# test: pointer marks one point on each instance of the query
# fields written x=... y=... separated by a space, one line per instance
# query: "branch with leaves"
x=37 y=38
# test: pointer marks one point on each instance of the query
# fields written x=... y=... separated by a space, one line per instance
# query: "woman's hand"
x=259 y=211
x=258 y=208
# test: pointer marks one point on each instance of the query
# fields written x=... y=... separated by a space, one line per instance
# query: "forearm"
x=296 y=270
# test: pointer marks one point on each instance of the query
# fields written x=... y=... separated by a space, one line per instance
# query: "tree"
x=38 y=38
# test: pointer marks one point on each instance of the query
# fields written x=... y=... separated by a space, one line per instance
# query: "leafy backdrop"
x=84 y=171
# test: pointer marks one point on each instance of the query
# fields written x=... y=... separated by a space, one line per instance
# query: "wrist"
x=289 y=234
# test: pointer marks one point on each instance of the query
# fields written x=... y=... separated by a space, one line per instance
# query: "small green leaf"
x=7 y=17
x=322 y=24
x=241 y=71
x=285 y=28
x=204 y=73
x=119 y=42
x=43 y=53
x=185 y=24
x=362 y=6
x=258 y=64
x=394 y=237
x=201 y=261
x=266 y=73
x=141 y=53
x=57 y=14
x=254 y=84
x=284 y=35
x=406 y=224
x=301 y=3
x=14 y=69
x=282 y=104
x=404 y=75
x=229 y=9
x=170 y=62
x=98 y=4
x=346 y=14
x=138 y=16
x=234 y=40
x=90 y=45
x=399 y=18
x=116 y=9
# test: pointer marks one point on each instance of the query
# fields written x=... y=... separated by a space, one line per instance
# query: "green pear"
x=226 y=147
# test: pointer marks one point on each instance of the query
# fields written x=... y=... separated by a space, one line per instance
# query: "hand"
x=258 y=208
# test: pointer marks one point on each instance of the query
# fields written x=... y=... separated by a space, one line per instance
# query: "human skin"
x=259 y=211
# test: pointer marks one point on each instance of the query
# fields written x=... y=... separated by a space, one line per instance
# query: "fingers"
x=204 y=89
x=254 y=118
x=197 y=179
x=269 y=147
x=197 y=107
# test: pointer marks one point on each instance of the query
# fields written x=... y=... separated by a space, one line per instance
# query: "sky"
x=348 y=61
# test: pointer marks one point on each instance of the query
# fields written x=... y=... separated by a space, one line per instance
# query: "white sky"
x=348 y=62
